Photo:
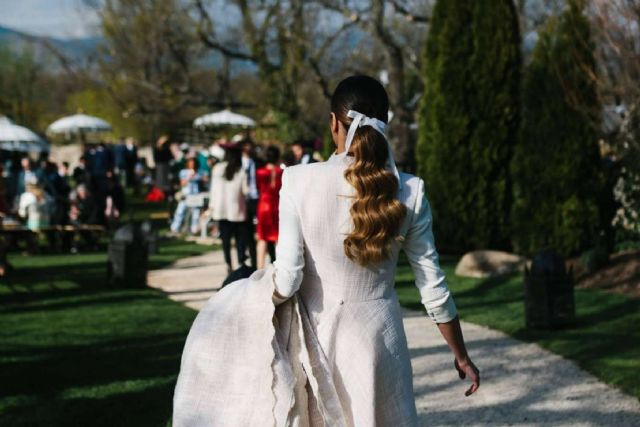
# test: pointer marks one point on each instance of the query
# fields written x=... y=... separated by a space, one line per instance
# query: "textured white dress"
x=335 y=352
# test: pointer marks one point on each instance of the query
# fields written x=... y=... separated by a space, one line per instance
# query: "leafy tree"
x=33 y=91
x=618 y=59
x=98 y=102
x=302 y=49
x=469 y=118
x=152 y=63
x=269 y=39
x=557 y=166
x=20 y=75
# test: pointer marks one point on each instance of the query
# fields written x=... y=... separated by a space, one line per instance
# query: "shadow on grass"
x=97 y=388
x=104 y=380
x=83 y=300
x=75 y=351
x=94 y=364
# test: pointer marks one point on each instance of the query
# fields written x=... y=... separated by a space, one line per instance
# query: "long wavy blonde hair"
x=376 y=212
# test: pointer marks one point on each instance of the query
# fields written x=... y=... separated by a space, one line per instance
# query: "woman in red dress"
x=269 y=181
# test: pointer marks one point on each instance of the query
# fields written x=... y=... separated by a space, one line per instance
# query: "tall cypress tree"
x=469 y=119
x=556 y=165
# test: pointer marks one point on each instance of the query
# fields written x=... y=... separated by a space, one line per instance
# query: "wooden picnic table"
x=19 y=232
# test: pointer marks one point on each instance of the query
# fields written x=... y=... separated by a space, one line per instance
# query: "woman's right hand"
x=452 y=333
x=466 y=368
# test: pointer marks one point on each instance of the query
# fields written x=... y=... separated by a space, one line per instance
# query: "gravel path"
x=522 y=384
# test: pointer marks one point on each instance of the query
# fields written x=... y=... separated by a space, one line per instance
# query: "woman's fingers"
x=472 y=372
x=473 y=388
x=474 y=376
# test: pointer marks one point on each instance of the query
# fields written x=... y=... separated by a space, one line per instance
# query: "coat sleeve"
x=420 y=248
x=289 y=261
x=212 y=184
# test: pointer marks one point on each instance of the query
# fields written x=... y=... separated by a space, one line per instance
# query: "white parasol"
x=79 y=123
x=19 y=138
x=224 y=118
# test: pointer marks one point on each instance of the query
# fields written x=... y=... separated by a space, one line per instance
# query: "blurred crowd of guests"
x=241 y=181
x=229 y=189
x=43 y=194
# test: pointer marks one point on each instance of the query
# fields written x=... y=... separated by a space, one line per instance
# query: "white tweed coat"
x=335 y=353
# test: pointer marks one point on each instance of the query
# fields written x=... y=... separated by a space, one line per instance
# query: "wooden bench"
x=159 y=215
x=18 y=232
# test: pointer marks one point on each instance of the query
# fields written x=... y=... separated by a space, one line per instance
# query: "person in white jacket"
x=317 y=339
x=227 y=202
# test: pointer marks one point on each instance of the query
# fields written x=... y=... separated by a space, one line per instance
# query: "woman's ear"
x=335 y=124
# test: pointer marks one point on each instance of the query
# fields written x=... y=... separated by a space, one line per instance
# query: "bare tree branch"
x=316 y=59
x=409 y=16
x=66 y=63
x=205 y=35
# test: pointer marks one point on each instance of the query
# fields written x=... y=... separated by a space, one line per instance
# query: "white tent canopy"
x=19 y=138
x=224 y=118
x=79 y=123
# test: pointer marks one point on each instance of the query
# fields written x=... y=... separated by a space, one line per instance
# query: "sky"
x=63 y=19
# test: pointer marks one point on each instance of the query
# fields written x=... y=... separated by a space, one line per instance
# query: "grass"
x=74 y=351
x=605 y=340
x=139 y=210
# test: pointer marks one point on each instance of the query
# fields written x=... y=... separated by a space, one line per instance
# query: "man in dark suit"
x=130 y=160
x=302 y=152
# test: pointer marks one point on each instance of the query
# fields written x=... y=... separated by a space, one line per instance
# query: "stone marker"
x=485 y=263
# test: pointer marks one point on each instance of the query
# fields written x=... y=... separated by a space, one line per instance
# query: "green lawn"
x=139 y=210
x=605 y=340
x=74 y=351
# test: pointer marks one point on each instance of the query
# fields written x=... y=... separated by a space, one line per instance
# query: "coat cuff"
x=444 y=313
x=276 y=300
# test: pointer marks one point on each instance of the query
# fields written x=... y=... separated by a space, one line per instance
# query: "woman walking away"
x=227 y=202
x=269 y=181
x=333 y=351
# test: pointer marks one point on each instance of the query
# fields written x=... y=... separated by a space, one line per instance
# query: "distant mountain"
x=78 y=50
x=84 y=50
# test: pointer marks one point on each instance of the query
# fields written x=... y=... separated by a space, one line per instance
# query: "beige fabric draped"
x=238 y=370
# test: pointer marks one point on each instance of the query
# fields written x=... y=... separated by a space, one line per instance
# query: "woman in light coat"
x=330 y=350
x=34 y=206
x=227 y=202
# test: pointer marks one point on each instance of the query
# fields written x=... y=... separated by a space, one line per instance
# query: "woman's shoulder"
x=302 y=178
x=308 y=169
x=410 y=180
x=413 y=188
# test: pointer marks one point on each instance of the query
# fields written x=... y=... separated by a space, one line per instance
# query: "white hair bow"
x=360 y=120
